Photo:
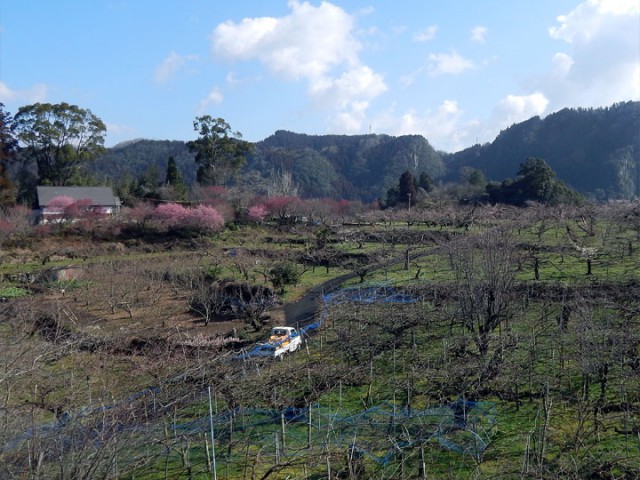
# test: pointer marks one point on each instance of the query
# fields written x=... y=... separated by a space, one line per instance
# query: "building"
x=53 y=203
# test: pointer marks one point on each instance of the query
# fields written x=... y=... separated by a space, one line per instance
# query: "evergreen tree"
x=476 y=178
x=174 y=180
x=61 y=139
x=148 y=184
x=406 y=188
x=536 y=182
x=173 y=177
x=8 y=147
x=425 y=182
x=219 y=152
x=392 y=197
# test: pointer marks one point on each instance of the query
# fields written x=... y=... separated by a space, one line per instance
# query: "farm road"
x=304 y=311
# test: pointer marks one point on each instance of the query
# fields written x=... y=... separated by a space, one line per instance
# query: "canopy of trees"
x=360 y=167
x=536 y=182
x=409 y=190
x=595 y=151
x=219 y=152
x=60 y=139
x=8 y=146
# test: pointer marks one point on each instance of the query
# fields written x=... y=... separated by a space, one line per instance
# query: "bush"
x=284 y=274
x=204 y=218
x=171 y=214
x=257 y=213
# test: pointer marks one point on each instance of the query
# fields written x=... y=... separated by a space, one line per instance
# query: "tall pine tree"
x=174 y=178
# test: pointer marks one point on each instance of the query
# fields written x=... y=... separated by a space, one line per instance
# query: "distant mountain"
x=594 y=151
x=345 y=166
x=136 y=158
x=359 y=167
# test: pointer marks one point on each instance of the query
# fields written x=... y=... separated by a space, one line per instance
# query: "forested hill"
x=352 y=167
x=595 y=151
x=345 y=166
x=140 y=158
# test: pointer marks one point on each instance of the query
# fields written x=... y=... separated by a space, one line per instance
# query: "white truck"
x=281 y=340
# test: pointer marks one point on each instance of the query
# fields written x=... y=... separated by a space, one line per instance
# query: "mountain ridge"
x=595 y=151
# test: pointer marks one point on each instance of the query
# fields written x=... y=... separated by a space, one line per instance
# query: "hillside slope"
x=359 y=167
x=595 y=151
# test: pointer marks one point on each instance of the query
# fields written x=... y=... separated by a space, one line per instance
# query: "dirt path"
x=304 y=311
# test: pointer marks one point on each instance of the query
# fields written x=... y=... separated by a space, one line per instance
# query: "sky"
x=455 y=71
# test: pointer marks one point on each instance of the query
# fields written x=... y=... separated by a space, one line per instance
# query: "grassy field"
x=500 y=350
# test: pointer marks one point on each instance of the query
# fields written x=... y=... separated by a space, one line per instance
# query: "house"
x=53 y=202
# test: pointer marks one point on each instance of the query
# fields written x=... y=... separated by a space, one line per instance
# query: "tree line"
x=53 y=144
x=63 y=144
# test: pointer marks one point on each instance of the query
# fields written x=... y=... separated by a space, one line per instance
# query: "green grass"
x=353 y=365
x=13 y=292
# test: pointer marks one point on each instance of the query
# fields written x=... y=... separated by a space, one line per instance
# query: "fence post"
x=213 y=445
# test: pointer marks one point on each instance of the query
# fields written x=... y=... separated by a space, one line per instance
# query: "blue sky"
x=457 y=72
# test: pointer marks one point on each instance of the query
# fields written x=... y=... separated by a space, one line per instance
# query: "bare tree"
x=484 y=277
x=281 y=184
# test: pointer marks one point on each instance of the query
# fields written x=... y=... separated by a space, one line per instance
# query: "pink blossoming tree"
x=257 y=213
x=204 y=218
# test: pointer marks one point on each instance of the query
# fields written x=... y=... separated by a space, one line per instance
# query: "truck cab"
x=281 y=340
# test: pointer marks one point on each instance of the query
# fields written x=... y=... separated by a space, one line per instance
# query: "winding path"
x=304 y=311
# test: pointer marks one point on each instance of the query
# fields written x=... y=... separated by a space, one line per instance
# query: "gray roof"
x=102 y=196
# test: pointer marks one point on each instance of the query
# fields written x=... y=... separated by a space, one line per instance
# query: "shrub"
x=257 y=213
x=20 y=218
x=6 y=228
x=171 y=214
x=203 y=218
x=284 y=274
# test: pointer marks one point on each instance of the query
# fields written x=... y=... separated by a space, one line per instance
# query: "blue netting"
x=379 y=433
x=370 y=294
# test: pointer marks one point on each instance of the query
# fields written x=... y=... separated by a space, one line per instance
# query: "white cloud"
x=517 y=108
x=592 y=18
x=171 y=65
x=367 y=10
x=357 y=83
x=448 y=128
x=233 y=80
x=119 y=130
x=215 y=97
x=308 y=43
x=350 y=95
x=410 y=78
x=444 y=127
x=425 y=35
x=448 y=64
x=479 y=34
x=352 y=119
x=313 y=44
x=604 y=63
x=36 y=93
x=117 y=133
x=562 y=64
